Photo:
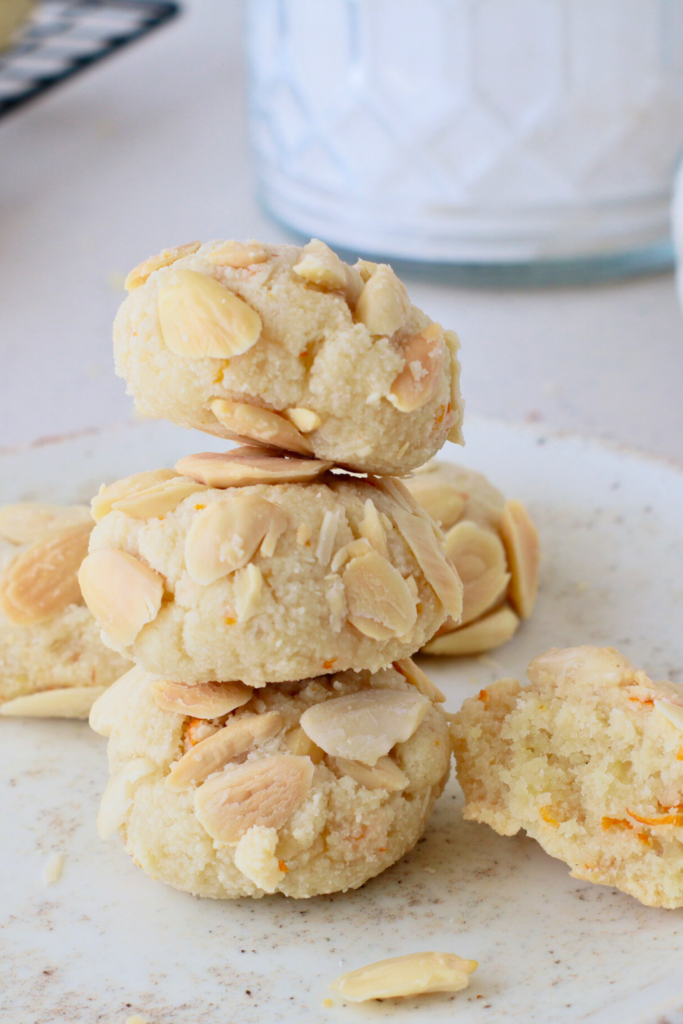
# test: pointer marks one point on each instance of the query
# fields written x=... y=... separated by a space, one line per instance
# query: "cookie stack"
x=274 y=735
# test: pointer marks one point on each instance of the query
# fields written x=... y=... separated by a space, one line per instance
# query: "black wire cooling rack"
x=68 y=36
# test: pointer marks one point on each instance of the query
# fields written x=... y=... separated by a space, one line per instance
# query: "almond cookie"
x=52 y=660
x=301 y=788
x=205 y=576
x=588 y=760
x=494 y=546
x=290 y=347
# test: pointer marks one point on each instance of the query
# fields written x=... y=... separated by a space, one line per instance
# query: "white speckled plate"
x=105 y=941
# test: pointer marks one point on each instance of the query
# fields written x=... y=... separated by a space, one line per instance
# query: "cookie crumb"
x=327 y=1002
x=52 y=869
x=137 y=1019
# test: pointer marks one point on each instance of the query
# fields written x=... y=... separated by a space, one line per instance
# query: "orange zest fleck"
x=670 y=807
x=547 y=816
x=192 y=727
x=483 y=696
x=229 y=621
x=644 y=700
x=662 y=819
x=330 y=663
x=644 y=838
x=282 y=866
x=621 y=823
x=198 y=507
x=382 y=849
x=679 y=755
x=441 y=413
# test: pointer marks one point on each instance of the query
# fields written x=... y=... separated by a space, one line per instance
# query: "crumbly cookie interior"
x=583 y=760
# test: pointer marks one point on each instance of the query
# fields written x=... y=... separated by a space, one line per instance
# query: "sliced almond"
x=225 y=535
x=371 y=528
x=383 y=306
x=237 y=255
x=453 y=343
x=419 y=679
x=166 y=257
x=249 y=592
x=419 y=380
x=275 y=530
x=322 y=267
x=327 y=536
x=102 y=503
x=235 y=738
x=122 y=593
x=386 y=774
x=265 y=792
x=493 y=630
x=521 y=542
x=366 y=268
x=442 y=501
x=243 y=466
x=479 y=559
x=201 y=700
x=304 y=420
x=439 y=573
x=336 y=598
x=243 y=422
x=62 y=702
x=583 y=665
x=371 y=627
x=42 y=581
x=447 y=626
x=397 y=490
x=303 y=746
x=364 y=726
x=159 y=499
x=303 y=534
x=481 y=501
x=672 y=712
x=118 y=796
x=113 y=703
x=354 y=549
x=377 y=593
x=200 y=317
x=406 y=976
x=28 y=522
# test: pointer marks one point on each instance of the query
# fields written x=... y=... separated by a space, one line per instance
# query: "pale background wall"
x=150 y=149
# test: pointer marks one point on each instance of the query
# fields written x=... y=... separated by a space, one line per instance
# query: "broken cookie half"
x=588 y=760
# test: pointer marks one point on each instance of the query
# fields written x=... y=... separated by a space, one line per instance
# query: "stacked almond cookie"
x=274 y=735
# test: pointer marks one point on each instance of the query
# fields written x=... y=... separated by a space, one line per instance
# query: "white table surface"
x=149 y=149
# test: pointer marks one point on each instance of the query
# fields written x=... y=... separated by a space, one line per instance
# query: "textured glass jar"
x=470 y=131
